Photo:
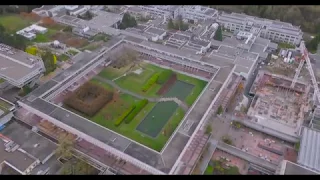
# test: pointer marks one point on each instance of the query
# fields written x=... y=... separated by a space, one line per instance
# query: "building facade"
x=274 y=30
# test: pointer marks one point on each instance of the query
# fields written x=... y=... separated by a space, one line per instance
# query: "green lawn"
x=101 y=37
x=139 y=80
x=63 y=57
x=209 y=170
x=199 y=85
x=73 y=52
x=218 y=167
x=14 y=23
x=159 y=130
x=4 y=106
x=2 y=80
x=46 y=37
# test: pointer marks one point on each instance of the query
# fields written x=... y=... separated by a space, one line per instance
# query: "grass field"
x=14 y=22
x=63 y=57
x=46 y=37
x=156 y=122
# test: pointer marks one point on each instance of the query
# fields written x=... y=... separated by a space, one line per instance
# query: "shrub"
x=139 y=106
x=164 y=76
x=123 y=116
x=150 y=82
x=89 y=99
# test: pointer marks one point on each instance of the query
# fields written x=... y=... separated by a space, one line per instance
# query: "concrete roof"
x=295 y=169
x=155 y=31
x=262 y=41
x=34 y=144
x=78 y=8
x=104 y=18
x=52 y=166
x=17 y=158
x=18 y=65
x=45 y=7
x=309 y=154
x=257 y=48
x=180 y=37
x=200 y=42
x=7 y=170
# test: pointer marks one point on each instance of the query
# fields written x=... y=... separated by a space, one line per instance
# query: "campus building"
x=270 y=29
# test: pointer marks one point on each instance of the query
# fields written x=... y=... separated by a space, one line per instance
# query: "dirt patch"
x=47 y=21
x=166 y=86
x=30 y=16
x=69 y=39
x=76 y=42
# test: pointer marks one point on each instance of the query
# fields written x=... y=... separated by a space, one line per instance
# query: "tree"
x=208 y=129
x=220 y=110
x=127 y=21
x=67 y=29
x=125 y=58
x=65 y=147
x=78 y=167
x=49 y=62
x=32 y=50
x=170 y=24
x=227 y=140
x=218 y=34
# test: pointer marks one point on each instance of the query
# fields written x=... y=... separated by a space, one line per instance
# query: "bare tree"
x=124 y=58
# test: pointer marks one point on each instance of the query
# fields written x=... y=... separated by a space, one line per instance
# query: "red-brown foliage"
x=166 y=86
x=89 y=99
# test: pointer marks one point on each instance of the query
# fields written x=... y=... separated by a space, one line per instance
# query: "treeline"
x=127 y=21
x=312 y=45
x=306 y=16
x=178 y=24
x=13 y=40
x=4 y=9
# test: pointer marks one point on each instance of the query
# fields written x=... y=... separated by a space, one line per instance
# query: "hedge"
x=78 y=99
x=139 y=106
x=124 y=115
x=164 y=76
x=150 y=82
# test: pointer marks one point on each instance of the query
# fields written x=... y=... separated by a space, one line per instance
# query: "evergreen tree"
x=218 y=34
x=170 y=24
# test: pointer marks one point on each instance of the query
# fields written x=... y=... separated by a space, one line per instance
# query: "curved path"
x=183 y=105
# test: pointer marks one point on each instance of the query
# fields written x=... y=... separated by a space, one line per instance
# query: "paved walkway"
x=162 y=99
x=246 y=156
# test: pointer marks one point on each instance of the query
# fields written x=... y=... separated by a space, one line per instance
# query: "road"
x=246 y=156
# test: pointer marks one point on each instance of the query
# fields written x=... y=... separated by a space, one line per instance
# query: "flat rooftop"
x=295 y=169
x=44 y=8
x=17 y=158
x=155 y=31
x=34 y=144
x=16 y=65
x=309 y=151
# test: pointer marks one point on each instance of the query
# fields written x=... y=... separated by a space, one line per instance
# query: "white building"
x=156 y=33
x=169 y=11
x=194 y=14
x=274 y=30
x=31 y=31
x=76 y=10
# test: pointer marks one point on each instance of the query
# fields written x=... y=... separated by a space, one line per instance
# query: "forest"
x=305 y=16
